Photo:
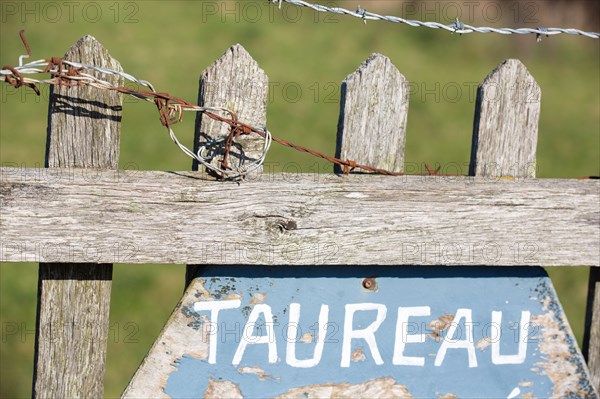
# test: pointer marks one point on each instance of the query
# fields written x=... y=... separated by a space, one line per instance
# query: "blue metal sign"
x=368 y=332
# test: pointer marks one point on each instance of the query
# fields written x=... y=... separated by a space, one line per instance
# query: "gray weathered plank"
x=172 y=217
x=373 y=113
x=84 y=122
x=504 y=143
x=234 y=81
x=74 y=299
x=591 y=340
x=72 y=330
x=506 y=123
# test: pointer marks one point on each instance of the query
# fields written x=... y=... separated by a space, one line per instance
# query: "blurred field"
x=306 y=56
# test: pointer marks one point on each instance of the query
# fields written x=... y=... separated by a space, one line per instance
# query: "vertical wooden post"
x=506 y=123
x=234 y=81
x=505 y=126
x=74 y=299
x=505 y=132
x=373 y=113
x=591 y=339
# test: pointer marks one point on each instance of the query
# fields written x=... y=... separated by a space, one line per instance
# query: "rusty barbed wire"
x=170 y=109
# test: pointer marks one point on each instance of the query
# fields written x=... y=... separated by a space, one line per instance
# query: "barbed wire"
x=170 y=108
x=456 y=27
x=69 y=73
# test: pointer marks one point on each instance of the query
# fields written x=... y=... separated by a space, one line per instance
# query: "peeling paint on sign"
x=318 y=333
x=306 y=338
x=439 y=325
x=358 y=356
x=258 y=298
x=561 y=363
x=483 y=343
x=385 y=388
x=255 y=370
x=448 y=396
x=222 y=390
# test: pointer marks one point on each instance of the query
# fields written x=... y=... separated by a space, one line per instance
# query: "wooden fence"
x=77 y=222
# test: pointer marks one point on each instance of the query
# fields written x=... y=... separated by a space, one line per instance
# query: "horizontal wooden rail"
x=102 y=216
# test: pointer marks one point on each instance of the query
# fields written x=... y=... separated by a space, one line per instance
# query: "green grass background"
x=170 y=43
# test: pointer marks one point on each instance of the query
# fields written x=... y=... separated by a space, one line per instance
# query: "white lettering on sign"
x=214 y=307
x=292 y=334
x=368 y=333
x=519 y=358
x=403 y=337
x=450 y=343
x=248 y=336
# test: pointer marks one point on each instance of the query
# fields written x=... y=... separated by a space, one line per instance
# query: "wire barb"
x=538 y=36
x=363 y=13
x=22 y=35
x=458 y=26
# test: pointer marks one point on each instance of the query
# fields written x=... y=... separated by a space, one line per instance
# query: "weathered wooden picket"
x=77 y=222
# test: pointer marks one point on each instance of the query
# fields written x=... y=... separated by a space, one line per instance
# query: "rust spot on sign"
x=370 y=284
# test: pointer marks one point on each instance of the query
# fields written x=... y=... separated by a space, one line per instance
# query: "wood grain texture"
x=506 y=127
x=174 y=217
x=506 y=123
x=591 y=339
x=234 y=81
x=72 y=330
x=84 y=122
x=505 y=139
x=373 y=113
x=74 y=299
x=174 y=341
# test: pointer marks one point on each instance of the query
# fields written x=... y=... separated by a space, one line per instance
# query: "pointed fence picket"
x=74 y=298
x=500 y=203
x=373 y=114
x=236 y=82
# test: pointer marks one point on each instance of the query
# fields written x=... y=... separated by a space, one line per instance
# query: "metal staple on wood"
x=170 y=109
x=455 y=27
